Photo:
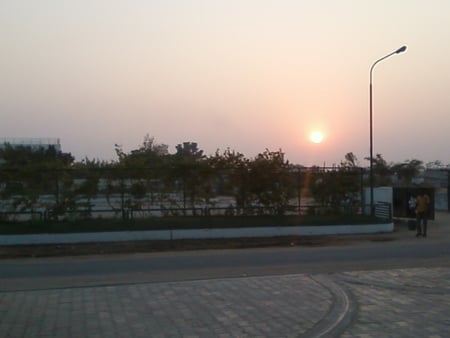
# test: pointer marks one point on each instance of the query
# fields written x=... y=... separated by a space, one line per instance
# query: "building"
x=439 y=179
x=33 y=143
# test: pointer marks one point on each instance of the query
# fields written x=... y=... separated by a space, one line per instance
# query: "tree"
x=407 y=170
x=271 y=183
x=190 y=169
x=435 y=165
x=189 y=151
x=150 y=147
x=88 y=174
x=351 y=161
x=232 y=170
x=136 y=173
x=28 y=174
x=338 y=188
x=382 y=171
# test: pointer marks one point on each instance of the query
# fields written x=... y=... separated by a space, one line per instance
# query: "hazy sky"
x=243 y=74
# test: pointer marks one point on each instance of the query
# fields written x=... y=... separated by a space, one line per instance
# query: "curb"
x=221 y=233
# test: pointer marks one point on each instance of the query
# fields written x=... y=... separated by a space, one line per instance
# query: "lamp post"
x=400 y=50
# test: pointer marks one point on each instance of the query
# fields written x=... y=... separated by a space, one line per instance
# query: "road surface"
x=192 y=265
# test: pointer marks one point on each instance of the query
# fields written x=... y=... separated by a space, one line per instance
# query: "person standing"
x=422 y=210
x=411 y=206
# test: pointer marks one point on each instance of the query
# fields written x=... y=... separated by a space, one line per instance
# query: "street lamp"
x=398 y=51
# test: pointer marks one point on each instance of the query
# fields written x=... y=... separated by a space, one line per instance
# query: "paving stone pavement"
x=411 y=302
x=390 y=303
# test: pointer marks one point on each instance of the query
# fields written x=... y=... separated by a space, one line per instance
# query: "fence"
x=145 y=192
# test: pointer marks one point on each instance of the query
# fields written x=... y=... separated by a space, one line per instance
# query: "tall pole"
x=400 y=50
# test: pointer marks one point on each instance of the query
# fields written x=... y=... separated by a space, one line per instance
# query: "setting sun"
x=316 y=137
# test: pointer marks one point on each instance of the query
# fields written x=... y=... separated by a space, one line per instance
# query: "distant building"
x=33 y=143
x=439 y=179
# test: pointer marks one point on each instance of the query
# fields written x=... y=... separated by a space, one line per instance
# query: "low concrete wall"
x=119 y=236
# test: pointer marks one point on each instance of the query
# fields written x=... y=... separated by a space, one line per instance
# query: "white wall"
x=380 y=194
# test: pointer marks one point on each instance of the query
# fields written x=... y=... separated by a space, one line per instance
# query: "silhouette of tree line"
x=45 y=179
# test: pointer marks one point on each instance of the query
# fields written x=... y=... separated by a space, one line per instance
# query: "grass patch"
x=180 y=222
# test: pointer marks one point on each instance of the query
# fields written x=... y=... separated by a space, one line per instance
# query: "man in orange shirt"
x=422 y=209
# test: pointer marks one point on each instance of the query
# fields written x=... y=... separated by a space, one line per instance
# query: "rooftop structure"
x=33 y=143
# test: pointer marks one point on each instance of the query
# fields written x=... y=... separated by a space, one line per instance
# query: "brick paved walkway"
x=400 y=303
x=394 y=303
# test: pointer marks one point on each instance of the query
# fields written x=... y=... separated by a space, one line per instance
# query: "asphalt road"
x=191 y=265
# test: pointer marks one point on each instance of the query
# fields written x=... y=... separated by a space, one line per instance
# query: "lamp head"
x=400 y=50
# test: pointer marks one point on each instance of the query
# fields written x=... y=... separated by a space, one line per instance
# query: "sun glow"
x=316 y=137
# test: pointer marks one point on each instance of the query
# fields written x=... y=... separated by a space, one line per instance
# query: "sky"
x=248 y=75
